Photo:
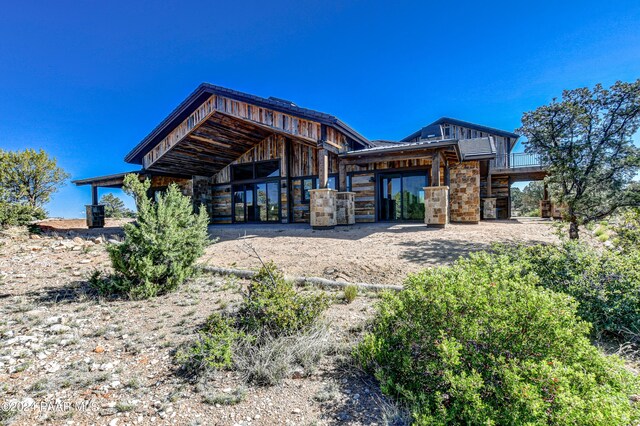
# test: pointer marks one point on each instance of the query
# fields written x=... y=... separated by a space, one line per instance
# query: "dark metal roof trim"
x=403 y=147
x=89 y=181
x=205 y=90
x=480 y=127
x=449 y=120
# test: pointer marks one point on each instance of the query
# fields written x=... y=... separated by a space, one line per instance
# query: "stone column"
x=346 y=208
x=489 y=208
x=545 y=208
x=436 y=206
x=322 y=208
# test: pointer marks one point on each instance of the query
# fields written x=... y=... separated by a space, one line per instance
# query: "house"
x=251 y=159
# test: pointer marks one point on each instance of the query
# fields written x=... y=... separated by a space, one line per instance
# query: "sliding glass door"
x=256 y=202
x=401 y=196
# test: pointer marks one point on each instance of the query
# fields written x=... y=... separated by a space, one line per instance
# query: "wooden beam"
x=342 y=176
x=435 y=169
x=323 y=168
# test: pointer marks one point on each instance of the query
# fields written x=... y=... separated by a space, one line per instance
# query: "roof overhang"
x=116 y=180
x=206 y=91
x=408 y=150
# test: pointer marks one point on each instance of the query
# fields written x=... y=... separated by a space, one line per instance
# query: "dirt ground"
x=373 y=253
x=68 y=356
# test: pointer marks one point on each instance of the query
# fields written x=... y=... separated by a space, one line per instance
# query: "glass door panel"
x=238 y=204
x=413 y=197
x=390 y=201
x=251 y=214
x=261 y=202
x=273 y=202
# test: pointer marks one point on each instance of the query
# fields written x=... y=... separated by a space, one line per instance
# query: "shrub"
x=350 y=293
x=274 y=306
x=13 y=214
x=212 y=349
x=481 y=343
x=161 y=247
x=605 y=283
x=628 y=230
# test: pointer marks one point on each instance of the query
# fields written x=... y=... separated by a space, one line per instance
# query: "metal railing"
x=516 y=160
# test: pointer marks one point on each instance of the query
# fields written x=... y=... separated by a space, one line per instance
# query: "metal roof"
x=204 y=90
x=399 y=146
x=477 y=148
x=433 y=129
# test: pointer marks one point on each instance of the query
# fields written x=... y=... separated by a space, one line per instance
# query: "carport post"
x=94 y=195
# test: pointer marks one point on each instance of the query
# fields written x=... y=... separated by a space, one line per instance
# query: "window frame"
x=254 y=170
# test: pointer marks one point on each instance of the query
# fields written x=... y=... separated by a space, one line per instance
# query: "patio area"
x=379 y=253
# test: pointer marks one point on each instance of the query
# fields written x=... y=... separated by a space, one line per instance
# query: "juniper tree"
x=114 y=207
x=161 y=246
x=30 y=177
x=585 y=138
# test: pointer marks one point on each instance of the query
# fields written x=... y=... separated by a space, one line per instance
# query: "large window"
x=310 y=183
x=401 y=196
x=258 y=170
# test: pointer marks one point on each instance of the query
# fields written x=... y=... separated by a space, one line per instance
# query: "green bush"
x=272 y=304
x=161 y=247
x=350 y=293
x=605 y=283
x=628 y=230
x=481 y=342
x=214 y=347
x=14 y=214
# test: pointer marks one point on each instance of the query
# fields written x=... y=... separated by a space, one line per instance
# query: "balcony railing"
x=516 y=160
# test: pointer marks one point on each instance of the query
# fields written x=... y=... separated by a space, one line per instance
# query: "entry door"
x=243 y=203
x=256 y=202
x=390 y=197
x=401 y=196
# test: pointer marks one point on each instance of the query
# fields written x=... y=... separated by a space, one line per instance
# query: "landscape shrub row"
x=484 y=342
x=605 y=283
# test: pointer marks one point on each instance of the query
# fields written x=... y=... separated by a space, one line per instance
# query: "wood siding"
x=265 y=118
x=364 y=186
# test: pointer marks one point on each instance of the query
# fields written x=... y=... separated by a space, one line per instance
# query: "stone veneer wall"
x=545 y=208
x=490 y=208
x=464 y=190
x=436 y=211
x=322 y=208
x=345 y=208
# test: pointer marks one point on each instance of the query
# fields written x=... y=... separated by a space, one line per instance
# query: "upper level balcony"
x=520 y=166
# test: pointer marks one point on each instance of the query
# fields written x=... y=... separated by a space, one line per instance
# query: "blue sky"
x=87 y=80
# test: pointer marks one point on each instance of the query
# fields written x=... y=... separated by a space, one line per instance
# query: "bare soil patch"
x=376 y=253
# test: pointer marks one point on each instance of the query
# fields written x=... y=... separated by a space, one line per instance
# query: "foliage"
x=350 y=293
x=272 y=304
x=29 y=177
x=586 y=141
x=161 y=247
x=480 y=342
x=114 y=207
x=273 y=334
x=628 y=230
x=527 y=200
x=13 y=214
x=606 y=284
x=212 y=349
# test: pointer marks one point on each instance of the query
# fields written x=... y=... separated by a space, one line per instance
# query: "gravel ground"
x=70 y=357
